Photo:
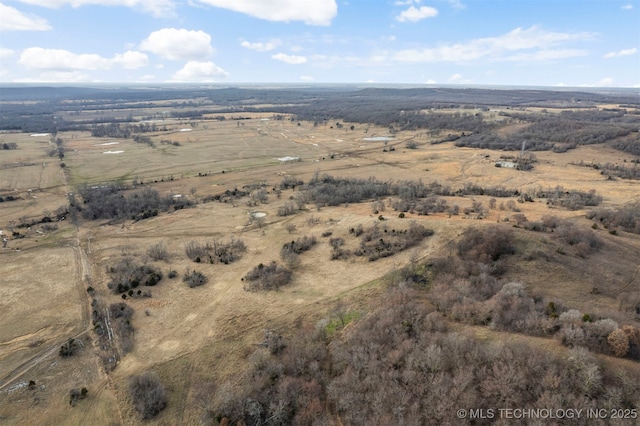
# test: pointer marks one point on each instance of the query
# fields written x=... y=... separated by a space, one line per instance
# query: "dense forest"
x=561 y=132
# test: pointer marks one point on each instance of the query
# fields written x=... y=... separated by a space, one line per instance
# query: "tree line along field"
x=237 y=256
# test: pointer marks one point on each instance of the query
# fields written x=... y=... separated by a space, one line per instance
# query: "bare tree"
x=147 y=394
x=519 y=218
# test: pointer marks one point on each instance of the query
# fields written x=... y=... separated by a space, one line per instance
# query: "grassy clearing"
x=338 y=324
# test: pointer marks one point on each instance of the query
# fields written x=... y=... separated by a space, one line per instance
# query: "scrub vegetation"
x=426 y=251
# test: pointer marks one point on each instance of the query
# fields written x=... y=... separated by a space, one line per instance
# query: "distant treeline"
x=398 y=109
x=613 y=171
x=561 y=132
x=327 y=190
x=403 y=120
x=557 y=132
x=630 y=145
x=116 y=130
x=350 y=103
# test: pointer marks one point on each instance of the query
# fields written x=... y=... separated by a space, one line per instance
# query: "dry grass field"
x=194 y=335
x=49 y=300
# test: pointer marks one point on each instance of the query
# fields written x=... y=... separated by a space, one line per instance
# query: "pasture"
x=190 y=335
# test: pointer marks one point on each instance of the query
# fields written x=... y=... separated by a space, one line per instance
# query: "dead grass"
x=572 y=279
x=192 y=335
x=42 y=307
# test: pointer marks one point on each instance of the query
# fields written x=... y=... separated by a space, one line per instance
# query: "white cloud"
x=14 y=20
x=519 y=44
x=317 y=12
x=377 y=58
x=458 y=79
x=607 y=81
x=457 y=4
x=414 y=14
x=623 y=52
x=627 y=7
x=290 y=59
x=131 y=60
x=5 y=53
x=546 y=55
x=406 y=2
x=179 y=44
x=260 y=46
x=61 y=60
x=306 y=78
x=200 y=72
x=430 y=81
x=66 y=62
x=157 y=8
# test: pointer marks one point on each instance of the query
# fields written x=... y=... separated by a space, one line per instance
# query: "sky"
x=572 y=43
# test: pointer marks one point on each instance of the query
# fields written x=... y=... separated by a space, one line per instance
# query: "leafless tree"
x=147 y=394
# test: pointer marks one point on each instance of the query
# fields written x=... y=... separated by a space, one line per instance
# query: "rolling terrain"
x=128 y=185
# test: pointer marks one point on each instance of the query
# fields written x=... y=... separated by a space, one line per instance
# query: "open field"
x=191 y=336
x=50 y=301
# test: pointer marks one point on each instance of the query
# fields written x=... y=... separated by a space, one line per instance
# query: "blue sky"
x=589 y=43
